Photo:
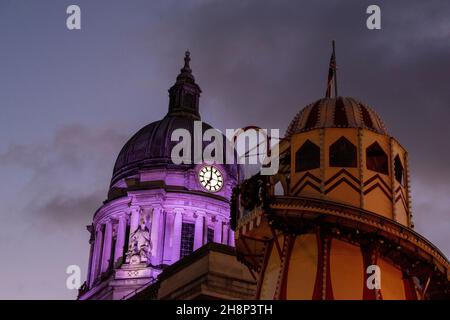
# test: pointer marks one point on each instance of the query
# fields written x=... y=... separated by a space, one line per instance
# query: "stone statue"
x=140 y=247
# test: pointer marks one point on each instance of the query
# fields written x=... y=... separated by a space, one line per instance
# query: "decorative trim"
x=392 y=171
x=318 y=284
x=306 y=184
x=360 y=167
x=360 y=217
x=342 y=171
x=408 y=190
x=342 y=180
x=410 y=291
x=322 y=288
x=265 y=261
x=399 y=197
x=277 y=244
x=322 y=161
x=370 y=257
x=287 y=251
x=305 y=176
x=379 y=186
x=379 y=178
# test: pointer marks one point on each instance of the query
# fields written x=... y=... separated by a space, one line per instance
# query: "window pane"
x=307 y=157
x=342 y=154
x=398 y=167
x=210 y=235
x=187 y=239
x=377 y=159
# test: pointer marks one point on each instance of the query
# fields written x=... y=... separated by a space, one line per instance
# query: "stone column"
x=218 y=229
x=168 y=239
x=205 y=230
x=199 y=232
x=107 y=242
x=154 y=235
x=231 y=237
x=134 y=220
x=91 y=230
x=135 y=214
x=225 y=229
x=120 y=241
x=161 y=231
x=97 y=254
x=176 y=237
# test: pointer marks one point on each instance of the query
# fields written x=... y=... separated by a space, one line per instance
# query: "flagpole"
x=335 y=72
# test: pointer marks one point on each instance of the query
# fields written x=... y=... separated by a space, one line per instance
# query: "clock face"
x=210 y=178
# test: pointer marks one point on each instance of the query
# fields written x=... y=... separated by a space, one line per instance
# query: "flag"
x=331 y=74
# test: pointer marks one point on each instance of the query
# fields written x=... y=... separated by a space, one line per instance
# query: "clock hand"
x=210 y=178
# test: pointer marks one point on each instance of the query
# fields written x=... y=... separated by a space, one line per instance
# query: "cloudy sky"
x=69 y=100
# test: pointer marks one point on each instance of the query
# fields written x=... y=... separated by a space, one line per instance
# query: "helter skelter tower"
x=339 y=204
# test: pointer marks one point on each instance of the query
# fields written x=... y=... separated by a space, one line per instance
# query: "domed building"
x=157 y=211
x=335 y=222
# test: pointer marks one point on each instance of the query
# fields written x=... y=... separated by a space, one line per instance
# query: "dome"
x=340 y=112
x=151 y=146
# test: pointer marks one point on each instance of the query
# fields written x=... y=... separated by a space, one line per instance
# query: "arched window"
x=188 y=100
x=307 y=157
x=187 y=239
x=398 y=170
x=342 y=153
x=210 y=235
x=377 y=159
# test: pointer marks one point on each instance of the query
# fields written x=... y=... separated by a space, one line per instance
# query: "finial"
x=187 y=59
x=332 y=76
x=184 y=95
x=335 y=71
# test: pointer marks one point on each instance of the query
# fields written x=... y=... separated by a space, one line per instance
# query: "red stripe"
x=307 y=184
x=377 y=185
x=323 y=266
x=342 y=171
x=342 y=180
x=265 y=262
x=285 y=274
x=377 y=176
x=367 y=252
x=307 y=175
x=410 y=291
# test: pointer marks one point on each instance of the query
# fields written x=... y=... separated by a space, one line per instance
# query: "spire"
x=332 y=76
x=187 y=59
x=184 y=95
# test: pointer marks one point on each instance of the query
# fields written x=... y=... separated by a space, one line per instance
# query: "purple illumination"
x=178 y=223
x=156 y=212
x=71 y=99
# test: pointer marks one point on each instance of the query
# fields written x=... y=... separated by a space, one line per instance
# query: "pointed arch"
x=343 y=153
x=399 y=170
x=377 y=159
x=307 y=157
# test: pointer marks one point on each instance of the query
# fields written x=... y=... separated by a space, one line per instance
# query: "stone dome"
x=151 y=147
x=340 y=112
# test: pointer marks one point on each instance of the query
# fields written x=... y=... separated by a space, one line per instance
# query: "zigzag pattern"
x=348 y=178
x=307 y=180
x=400 y=196
x=343 y=176
x=380 y=183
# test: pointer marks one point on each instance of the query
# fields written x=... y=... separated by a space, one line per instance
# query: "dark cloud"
x=65 y=184
x=64 y=208
x=261 y=62
x=257 y=62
